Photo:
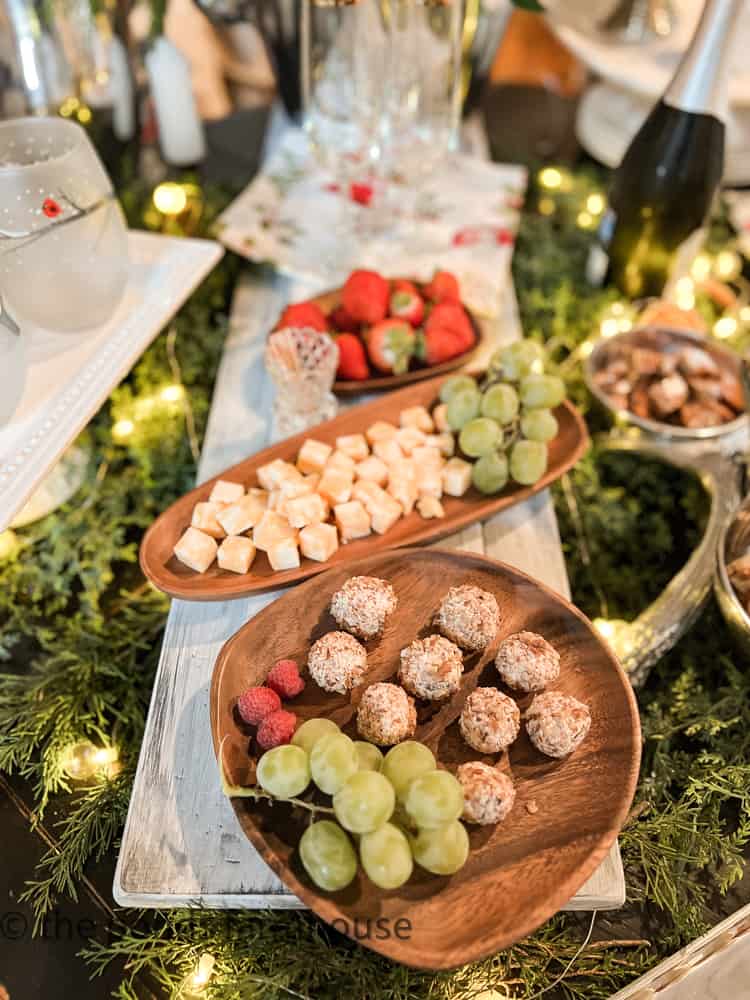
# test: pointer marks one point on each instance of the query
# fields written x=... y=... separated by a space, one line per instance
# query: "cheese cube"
x=352 y=519
x=236 y=554
x=312 y=481
x=404 y=490
x=430 y=482
x=384 y=511
x=429 y=507
x=319 y=541
x=353 y=445
x=274 y=499
x=373 y=468
x=387 y=450
x=204 y=518
x=409 y=438
x=271 y=528
x=226 y=492
x=456 y=477
x=417 y=416
x=340 y=460
x=335 y=485
x=272 y=474
x=310 y=509
x=238 y=517
x=260 y=495
x=440 y=417
x=283 y=554
x=425 y=457
x=445 y=443
x=381 y=430
x=196 y=550
x=365 y=490
x=313 y=455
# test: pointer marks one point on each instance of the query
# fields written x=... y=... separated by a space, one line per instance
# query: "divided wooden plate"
x=169 y=575
x=329 y=300
x=566 y=815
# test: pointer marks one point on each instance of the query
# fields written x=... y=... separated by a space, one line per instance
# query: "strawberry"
x=391 y=344
x=439 y=344
x=407 y=305
x=443 y=287
x=404 y=285
x=352 y=358
x=365 y=296
x=304 y=314
x=452 y=316
x=340 y=319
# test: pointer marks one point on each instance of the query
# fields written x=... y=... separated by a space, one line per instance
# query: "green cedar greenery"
x=81 y=634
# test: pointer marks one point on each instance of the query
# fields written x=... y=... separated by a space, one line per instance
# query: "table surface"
x=182 y=844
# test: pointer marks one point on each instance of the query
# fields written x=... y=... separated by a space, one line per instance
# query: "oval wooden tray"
x=329 y=300
x=566 y=815
x=171 y=576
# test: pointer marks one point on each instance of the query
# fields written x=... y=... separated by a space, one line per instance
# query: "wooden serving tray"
x=566 y=815
x=169 y=575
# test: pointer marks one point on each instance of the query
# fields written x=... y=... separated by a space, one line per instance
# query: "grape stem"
x=258 y=794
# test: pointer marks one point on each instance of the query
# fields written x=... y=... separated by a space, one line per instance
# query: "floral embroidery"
x=361 y=193
x=51 y=208
x=486 y=235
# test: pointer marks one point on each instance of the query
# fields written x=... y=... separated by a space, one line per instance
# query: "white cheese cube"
x=274 y=473
x=381 y=430
x=429 y=507
x=440 y=417
x=196 y=550
x=340 y=460
x=274 y=499
x=373 y=468
x=226 y=492
x=310 y=509
x=409 y=438
x=445 y=443
x=365 y=490
x=318 y=541
x=384 y=511
x=353 y=445
x=388 y=450
x=236 y=554
x=260 y=495
x=456 y=477
x=204 y=518
x=312 y=481
x=283 y=554
x=353 y=520
x=427 y=458
x=271 y=528
x=404 y=490
x=430 y=482
x=313 y=455
x=239 y=517
x=335 y=485
x=417 y=416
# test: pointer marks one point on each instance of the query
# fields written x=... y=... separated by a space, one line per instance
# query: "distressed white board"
x=182 y=844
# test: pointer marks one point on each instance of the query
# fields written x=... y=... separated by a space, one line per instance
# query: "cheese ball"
x=337 y=662
x=488 y=793
x=386 y=715
x=557 y=723
x=490 y=720
x=362 y=605
x=469 y=617
x=431 y=668
x=526 y=662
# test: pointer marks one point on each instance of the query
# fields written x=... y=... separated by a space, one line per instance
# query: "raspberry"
x=285 y=680
x=276 y=728
x=256 y=703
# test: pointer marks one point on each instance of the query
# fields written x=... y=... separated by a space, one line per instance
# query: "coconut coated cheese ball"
x=557 y=723
x=488 y=793
x=469 y=617
x=490 y=720
x=363 y=604
x=431 y=668
x=526 y=662
x=386 y=715
x=337 y=662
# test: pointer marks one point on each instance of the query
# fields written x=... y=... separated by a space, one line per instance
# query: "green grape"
x=463 y=406
x=284 y=771
x=500 y=402
x=479 y=437
x=405 y=762
x=442 y=851
x=333 y=759
x=386 y=856
x=539 y=425
x=328 y=855
x=528 y=462
x=547 y=391
x=490 y=473
x=364 y=802
x=311 y=731
x=434 y=799
x=520 y=358
x=369 y=756
x=454 y=384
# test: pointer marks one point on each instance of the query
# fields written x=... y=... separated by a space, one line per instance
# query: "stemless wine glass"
x=63 y=242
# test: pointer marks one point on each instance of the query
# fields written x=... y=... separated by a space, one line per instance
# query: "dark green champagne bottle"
x=662 y=191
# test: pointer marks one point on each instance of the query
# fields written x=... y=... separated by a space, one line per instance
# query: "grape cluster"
x=399 y=808
x=505 y=422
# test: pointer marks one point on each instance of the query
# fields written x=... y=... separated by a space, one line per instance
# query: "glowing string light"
x=8 y=544
x=170 y=198
x=195 y=984
x=684 y=293
x=725 y=327
x=701 y=268
x=172 y=393
x=122 y=429
x=595 y=204
x=83 y=761
x=550 y=178
x=727 y=265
